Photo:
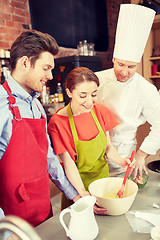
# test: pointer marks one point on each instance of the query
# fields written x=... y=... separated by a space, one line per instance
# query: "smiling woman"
x=81 y=87
x=79 y=133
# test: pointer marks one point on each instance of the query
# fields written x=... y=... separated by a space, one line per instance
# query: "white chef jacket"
x=133 y=102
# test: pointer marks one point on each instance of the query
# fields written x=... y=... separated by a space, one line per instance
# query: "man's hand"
x=139 y=164
x=100 y=210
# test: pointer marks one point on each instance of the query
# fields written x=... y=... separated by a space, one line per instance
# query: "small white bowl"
x=105 y=190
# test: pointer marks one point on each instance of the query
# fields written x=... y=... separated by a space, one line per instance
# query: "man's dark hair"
x=31 y=44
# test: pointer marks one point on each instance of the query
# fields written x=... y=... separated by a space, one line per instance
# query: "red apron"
x=24 y=180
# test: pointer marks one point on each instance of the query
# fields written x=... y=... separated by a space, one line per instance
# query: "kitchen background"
x=19 y=15
x=72 y=21
x=15 y=16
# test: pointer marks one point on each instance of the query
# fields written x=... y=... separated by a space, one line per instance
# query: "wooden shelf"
x=4 y=58
x=156 y=76
x=148 y=60
x=157 y=18
x=48 y=104
x=154 y=58
x=156 y=24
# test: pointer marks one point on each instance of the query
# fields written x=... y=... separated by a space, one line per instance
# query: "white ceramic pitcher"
x=82 y=223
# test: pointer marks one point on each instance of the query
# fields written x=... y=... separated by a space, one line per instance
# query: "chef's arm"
x=113 y=155
x=151 y=143
x=72 y=173
x=141 y=154
x=151 y=113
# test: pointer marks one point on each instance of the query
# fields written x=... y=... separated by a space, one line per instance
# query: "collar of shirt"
x=17 y=90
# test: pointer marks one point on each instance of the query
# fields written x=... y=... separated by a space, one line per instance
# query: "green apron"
x=91 y=161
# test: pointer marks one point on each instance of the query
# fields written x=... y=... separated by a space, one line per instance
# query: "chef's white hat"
x=133 y=28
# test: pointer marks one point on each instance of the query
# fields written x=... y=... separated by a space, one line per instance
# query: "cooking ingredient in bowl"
x=115 y=196
x=140 y=181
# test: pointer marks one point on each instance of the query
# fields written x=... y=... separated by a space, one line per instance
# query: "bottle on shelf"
x=80 y=48
x=91 y=49
x=2 y=77
x=56 y=98
x=60 y=92
x=5 y=70
x=154 y=69
x=45 y=95
x=85 y=48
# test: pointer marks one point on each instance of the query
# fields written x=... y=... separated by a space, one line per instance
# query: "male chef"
x=131 y=97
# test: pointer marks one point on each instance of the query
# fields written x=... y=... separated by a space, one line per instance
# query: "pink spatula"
x=120 y=192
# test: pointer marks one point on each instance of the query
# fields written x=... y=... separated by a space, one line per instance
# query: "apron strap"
x=71 y=121
x=72 y=125
x=12 y=100
x=97 y=122
x=42 y=116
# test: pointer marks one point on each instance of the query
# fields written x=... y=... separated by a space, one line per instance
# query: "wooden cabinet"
x=147 y=59
x=156 y=78
x=145 y=69
x=145 y=65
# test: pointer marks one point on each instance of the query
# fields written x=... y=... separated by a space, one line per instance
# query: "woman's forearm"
x=111 y=151
x=113 y=155
x=72 y=173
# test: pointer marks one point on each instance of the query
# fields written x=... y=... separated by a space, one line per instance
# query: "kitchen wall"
x=15 y=18
x=112 y=14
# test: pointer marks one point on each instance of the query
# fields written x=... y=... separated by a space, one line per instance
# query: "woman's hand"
x=125 y=161
x=97 y=210
x=100 y=210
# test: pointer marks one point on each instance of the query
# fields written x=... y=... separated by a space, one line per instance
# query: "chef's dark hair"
x=31 y=44
x=79 y=75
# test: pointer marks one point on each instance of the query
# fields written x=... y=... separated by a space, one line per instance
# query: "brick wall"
x=14 y=18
